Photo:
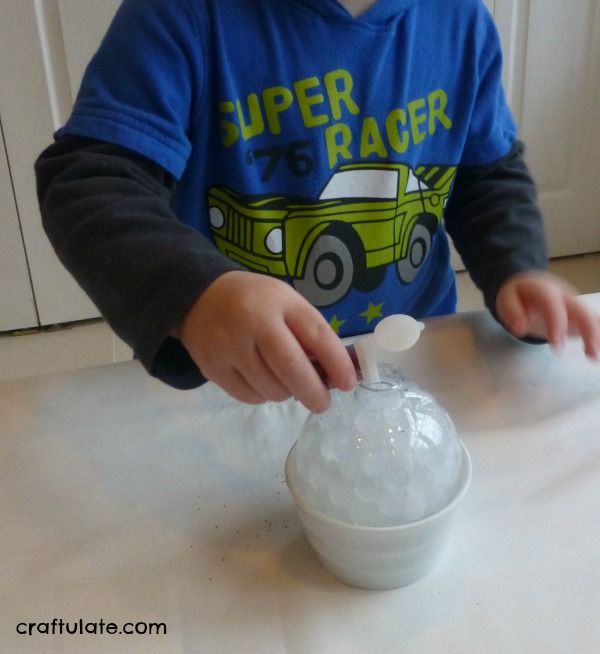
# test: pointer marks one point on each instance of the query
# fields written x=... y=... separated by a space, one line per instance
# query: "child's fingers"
x=286 y=358
x=550 y=305
x=234 y=383
x=586 y=324
x=261 y=378
x=512 y=313
x=539 y=304
x=316 y=337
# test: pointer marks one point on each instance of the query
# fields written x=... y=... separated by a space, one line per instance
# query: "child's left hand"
x=542 y=305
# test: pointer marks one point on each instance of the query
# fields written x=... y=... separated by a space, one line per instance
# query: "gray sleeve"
x=494 y=221
x=107 y=214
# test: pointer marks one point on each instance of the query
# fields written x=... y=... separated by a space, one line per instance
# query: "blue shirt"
x=309 y=144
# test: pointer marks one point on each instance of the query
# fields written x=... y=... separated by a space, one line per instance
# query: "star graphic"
x=372 y=311
x=336 y=323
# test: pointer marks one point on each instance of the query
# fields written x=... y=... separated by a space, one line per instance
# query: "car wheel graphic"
x=329 y=272
x=368 y=279
x=418 y=249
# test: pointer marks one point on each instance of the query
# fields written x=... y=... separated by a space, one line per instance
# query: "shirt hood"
x=383 y=11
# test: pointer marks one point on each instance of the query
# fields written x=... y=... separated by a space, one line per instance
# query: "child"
x=243 y=181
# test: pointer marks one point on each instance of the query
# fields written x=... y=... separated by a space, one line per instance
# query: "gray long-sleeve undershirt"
x=107 y=213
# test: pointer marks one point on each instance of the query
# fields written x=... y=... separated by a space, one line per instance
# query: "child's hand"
x=542 y=305
x=250 y=334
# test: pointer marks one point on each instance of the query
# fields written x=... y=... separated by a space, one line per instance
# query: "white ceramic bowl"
x=377 y=558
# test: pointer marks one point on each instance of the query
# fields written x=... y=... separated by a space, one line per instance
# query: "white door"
x=552 y=77
x=17 y=308
x=44 y=46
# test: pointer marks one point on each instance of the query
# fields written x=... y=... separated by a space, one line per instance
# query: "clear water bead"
x=382 y=455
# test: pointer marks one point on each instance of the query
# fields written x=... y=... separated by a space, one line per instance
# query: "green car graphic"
x=368 y=216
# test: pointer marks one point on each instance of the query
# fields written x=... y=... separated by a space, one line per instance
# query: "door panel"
x=17 y=308
x=35 y=98
x=552 y=78
x=83 y=26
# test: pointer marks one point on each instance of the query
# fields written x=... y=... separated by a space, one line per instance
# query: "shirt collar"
x=381 y=12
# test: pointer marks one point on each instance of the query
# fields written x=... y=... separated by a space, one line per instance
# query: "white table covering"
x=124 y=500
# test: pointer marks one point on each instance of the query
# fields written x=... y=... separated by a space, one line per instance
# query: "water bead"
x=318 y=475
x=361 y=513
x=390 y=504
x=414 y=505
x=340 y=494
x=365 y=488
x=328 y=448
x=395 y=479
x=349 y=466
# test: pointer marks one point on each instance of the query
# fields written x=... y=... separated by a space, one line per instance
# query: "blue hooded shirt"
x=309 y=144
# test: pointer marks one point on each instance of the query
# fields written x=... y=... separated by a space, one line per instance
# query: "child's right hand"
x=250 y=334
